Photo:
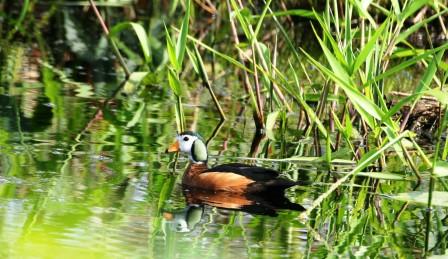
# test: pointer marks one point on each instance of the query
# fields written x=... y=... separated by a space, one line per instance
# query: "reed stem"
x=113 y=44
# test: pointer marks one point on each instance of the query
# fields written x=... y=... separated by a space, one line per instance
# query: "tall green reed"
x=176 y=53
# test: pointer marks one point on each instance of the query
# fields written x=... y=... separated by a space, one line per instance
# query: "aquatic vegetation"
x=338 y=95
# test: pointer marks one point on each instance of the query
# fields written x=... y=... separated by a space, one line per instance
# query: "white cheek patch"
x=185 y=146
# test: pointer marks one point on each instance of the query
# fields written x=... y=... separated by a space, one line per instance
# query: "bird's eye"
x=185 y=138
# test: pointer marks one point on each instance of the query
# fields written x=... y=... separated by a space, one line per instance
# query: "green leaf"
x=364 y=106
x=171 y=51
x=314 y=118
x=363 y=163
x=348 y=124
x=441 y=169
x=405 y=33
x=294 y=12
x=182 y=40
x=134 y=81
x=193 y=60
x=174 y=82
x=219 y=54
x=241 y=19
x=335 y=64
x=402 y=65
x=143 y=39
x=404 y=53
x=441 y=96
x=383 y=176
x=438 y=198
x=285 y=34
x=260 y=20
x=362 y=8
x=136 y=118
x=396 y=7
x=430 y=72
x=270 y=123
x=338 y=57
x=139 y=32
x=411 y=8
x=200 y=64
x=338 y=161
x=369 y=47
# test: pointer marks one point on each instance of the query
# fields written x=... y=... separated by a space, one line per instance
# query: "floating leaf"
x=438 y=198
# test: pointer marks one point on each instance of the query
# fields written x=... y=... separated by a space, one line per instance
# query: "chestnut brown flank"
x=196 y=176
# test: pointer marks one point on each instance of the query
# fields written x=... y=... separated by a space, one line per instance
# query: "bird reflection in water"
x=265 y=203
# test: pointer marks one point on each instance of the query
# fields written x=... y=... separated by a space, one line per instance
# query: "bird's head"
x=191 y=143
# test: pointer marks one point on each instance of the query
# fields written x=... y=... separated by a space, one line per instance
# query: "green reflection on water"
x=106 y=195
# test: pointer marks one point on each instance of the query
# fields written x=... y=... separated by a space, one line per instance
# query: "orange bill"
x=168 y=216
x=174 y=147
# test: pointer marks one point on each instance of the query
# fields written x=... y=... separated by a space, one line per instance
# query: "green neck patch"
x=199 y=151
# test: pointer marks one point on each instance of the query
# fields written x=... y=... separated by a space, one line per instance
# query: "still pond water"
x=76 y=182
x=104 y=191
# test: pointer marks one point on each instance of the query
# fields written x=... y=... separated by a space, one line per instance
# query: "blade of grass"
x=203 y=74
x=139 y=32
x=171 y=51
x=19 y=21
x=369 y=47
x=260 y=20
x=309 y=111
x=363 y=163
x=411 y=8
x=405 y=34
x=182 y=40
x=403 y=65
x=293 y=12
x=114 y=46
x=432 y=179
x=424 y=83
x=219 y=54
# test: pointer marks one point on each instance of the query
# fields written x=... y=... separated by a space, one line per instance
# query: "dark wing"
x=251 y=172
